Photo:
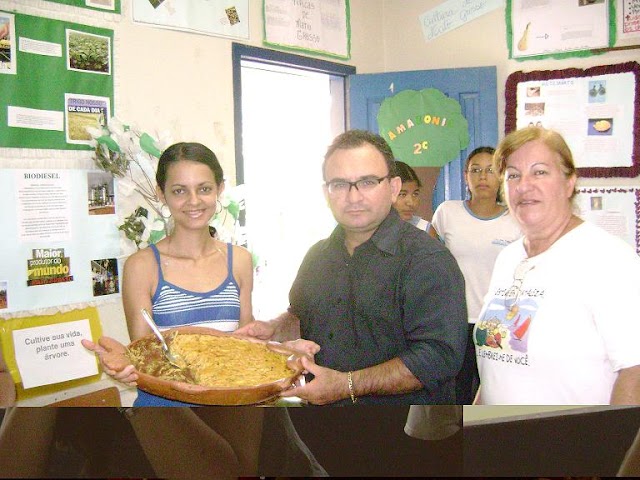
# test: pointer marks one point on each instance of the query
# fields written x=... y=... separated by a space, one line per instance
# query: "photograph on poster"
x=533 y=91
x=104 y=275
x=597 y=91
x=47 y=266
x=7 y=44
x=232 y=15
x=4 y=301
x=100 y=193
x=600 y=126
x=84 y=111
x=534 y=109
x=596 y=203
x=88 y=53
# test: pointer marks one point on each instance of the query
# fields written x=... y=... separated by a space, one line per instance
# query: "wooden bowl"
x=204 y=395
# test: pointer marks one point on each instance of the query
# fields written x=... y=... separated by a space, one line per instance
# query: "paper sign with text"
x=53 y=353
x=453 y=14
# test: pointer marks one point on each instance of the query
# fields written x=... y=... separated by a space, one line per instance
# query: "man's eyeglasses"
x=512 y=295
x=478 y=171
x=343 y=187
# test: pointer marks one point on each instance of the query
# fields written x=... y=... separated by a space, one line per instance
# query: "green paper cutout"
x=423 y=128
x=109 y=142
x=148 y=144
x=234 y=209
x=156 y=235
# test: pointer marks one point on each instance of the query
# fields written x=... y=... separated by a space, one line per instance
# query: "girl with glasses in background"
x=475 y=230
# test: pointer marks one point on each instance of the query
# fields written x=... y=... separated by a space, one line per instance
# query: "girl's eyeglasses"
x=478 y=171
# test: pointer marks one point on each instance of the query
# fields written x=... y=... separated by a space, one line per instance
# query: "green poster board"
x=46 y=79
x=112 y=6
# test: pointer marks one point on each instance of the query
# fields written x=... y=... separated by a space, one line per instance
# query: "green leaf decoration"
x=148 y=144
x=423 y=128
x=156 y=235
x=234 y=209
x=109 y=142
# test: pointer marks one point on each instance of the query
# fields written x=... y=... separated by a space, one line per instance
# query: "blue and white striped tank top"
x=176 y=307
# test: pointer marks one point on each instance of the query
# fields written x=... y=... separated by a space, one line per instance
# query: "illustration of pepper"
x=522 y=329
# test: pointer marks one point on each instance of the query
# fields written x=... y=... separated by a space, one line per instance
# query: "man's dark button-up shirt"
x=401 y=294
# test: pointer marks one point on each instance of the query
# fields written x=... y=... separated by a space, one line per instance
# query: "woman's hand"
x=306 y=346
x=112 y=355
x=257 y=329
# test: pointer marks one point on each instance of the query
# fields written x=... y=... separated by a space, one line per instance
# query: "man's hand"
x=258 y=329
x=328 y=386
x=113 y=359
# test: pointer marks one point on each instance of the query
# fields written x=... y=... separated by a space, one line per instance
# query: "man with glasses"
x=379 y=302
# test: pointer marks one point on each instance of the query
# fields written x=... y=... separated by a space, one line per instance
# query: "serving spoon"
x=174 y=359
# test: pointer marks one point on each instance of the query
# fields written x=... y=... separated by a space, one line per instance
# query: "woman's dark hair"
x=192 y=151
x=476 y=151
x=407 y=174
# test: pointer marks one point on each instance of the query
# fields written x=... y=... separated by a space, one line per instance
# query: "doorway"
x=288 y=109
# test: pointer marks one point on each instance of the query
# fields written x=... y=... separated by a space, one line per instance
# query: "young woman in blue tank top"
x=191 y=278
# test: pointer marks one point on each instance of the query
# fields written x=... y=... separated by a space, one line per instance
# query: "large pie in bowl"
x=221 y=368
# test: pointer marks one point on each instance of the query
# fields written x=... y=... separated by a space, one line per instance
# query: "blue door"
x=474 y=88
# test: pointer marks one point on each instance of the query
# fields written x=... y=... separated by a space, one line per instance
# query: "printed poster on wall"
x=547 y=28
x=595 y=114
x=629 y=20
x=314 y=26
x=49 y=60
x=43 y=205
x=60 y=238
x=614 y=209
x=210 y=17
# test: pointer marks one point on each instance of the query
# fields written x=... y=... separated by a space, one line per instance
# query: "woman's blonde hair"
x=516 y=139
